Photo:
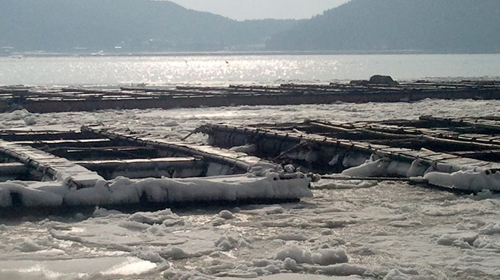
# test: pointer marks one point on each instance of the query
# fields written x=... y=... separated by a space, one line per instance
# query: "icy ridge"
x=121 y=190
x=469 y=178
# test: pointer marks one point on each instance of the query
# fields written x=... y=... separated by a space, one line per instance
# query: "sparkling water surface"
x=238 y=69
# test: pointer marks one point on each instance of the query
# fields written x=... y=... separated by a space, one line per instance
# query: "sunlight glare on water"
x=239 y=69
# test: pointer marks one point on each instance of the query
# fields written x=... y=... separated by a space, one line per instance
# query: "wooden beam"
x=26 y=135
x=144 y=168
x=102 y=142
x=12 y=171
x=50 y=165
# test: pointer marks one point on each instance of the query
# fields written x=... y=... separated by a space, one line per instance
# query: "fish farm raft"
x=377 y=89
x=103 y=166
x=99 y=166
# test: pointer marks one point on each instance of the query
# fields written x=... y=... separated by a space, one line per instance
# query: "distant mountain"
x=70 y=26
x=429 y=26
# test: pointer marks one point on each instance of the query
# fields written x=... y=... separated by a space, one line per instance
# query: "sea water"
x=240 y=69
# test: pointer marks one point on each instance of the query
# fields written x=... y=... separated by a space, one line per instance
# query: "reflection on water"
x=229 y=69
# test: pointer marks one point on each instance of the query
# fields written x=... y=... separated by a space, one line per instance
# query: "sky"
x=262 y=9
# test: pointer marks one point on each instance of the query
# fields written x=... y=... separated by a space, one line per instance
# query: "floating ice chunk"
x=334 y=160
x=18 y=115
x=405 y=224
x=244 y=243
x=148 y=254
x=466 y=180
x=226 y=214
x=185 y=275
x=289 y=168
x=240 y=274
x=461 y=240
x=485 y=242
x=264 y=210
x=291 y=236
x=248 y=149
x=395 y=274
x=103 y=212
x=329 y=256
x=219 y=267
x=261 y=262
x=417 y=168
x=451 y=168
x=342 y=269
x=490 y=229
x=30 y=120
x=352 y=184
x=170 y=124
x=411 y=274
x=261 y=168
x=173 y=252
x=30 y=246
x=133 y=266
x=351 y=160
x=296 y=254
x=226 y=243
x=291 y=264
x=377 y=168
x=439 y=179
x=151 y=218
x=321 y=257
x=134 y=225
x=484 y=194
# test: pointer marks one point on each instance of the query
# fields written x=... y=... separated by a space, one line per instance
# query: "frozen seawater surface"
x=348 y=230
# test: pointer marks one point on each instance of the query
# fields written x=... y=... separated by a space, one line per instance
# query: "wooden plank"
x=141 y=163
x=102 y=142
x=144 y=168
x=12 y=171
x=50 y=165
x=40 y=135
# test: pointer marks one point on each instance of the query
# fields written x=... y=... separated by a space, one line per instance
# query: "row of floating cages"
x=456 y=154
x=99 y=166
x=377 y=89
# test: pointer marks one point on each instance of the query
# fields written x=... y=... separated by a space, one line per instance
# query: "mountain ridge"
x=146 y=26
x=422 y=26
x=124 y=26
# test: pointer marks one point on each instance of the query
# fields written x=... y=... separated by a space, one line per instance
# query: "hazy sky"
x=261 y=9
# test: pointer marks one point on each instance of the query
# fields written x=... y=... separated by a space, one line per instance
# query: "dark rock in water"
x=376 y=80
x=382 y=80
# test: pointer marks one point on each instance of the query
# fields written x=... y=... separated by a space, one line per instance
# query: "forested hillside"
x=431 y=26
x=124 y=26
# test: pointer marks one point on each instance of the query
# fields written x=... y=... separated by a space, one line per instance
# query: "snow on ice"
x=456 y=177
x=165 y=190
x=347 y=230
